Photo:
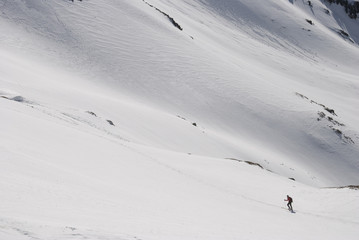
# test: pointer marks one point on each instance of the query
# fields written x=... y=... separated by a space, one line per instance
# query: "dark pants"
x=290 y=206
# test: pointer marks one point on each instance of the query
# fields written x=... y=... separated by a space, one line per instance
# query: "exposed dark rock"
x=331 y=111
x=310 y=21
x=351 y=8
x=110 y=122
x=332 y=122
x=254 y=164
x=248 y=162
x=174 y=23
x=92 y=113
x=353 y=187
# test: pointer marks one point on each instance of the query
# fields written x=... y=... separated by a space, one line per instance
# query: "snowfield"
x=186 y=119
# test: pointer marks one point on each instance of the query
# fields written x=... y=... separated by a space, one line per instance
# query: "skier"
x=289 y=204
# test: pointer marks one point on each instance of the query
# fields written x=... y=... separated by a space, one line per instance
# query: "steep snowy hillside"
x=161 y=119
x=348 y=27
x=235 y=68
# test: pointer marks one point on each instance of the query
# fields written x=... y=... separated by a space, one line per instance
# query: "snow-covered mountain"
x=186 y=119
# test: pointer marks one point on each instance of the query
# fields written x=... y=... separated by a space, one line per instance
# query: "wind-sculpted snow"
x=235 y=69
x=116 y=125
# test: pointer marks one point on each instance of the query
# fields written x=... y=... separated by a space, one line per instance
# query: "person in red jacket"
x=289 y=204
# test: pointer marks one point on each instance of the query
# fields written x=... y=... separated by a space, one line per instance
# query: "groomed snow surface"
x=116 y=124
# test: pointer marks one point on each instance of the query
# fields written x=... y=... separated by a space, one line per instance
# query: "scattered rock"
x=330 y=119
x=20 y=99
x=248 y=162
x=321 y=116
x=181 y=117
x=342 y=32
x=92 y=113
x=353 y=187
x=254 y=164
x=310 y=21
x=110 y=122
x=340 y=134
x=351 y=7
x=331 y=111
x=301 y=95
x=344 y=35
x=174 y=23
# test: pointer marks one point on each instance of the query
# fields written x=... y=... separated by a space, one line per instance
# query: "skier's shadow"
x=291 y=211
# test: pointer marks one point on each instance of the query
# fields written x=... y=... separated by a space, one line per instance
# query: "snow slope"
x=118 y=125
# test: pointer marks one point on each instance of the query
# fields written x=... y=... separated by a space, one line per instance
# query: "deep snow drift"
x=132 y=119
